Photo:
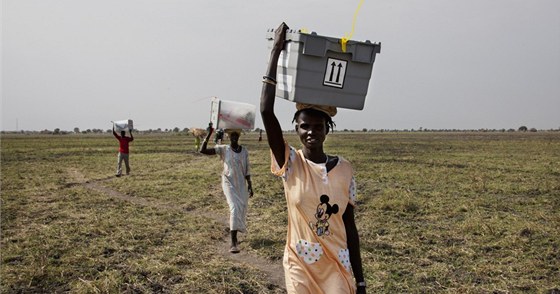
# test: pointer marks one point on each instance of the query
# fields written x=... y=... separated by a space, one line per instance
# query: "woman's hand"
x=250 y=188
x=279 y=37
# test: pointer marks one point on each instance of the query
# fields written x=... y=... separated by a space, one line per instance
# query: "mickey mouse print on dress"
x=322 y=215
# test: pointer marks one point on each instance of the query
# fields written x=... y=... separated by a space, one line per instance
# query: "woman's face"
x=311 y=130
x=234 y=138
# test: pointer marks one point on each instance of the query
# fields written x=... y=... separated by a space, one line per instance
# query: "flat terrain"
x=438 y=213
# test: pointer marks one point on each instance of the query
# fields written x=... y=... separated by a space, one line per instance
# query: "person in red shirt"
x=123 y=150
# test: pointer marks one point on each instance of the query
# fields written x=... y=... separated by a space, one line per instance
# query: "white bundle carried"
x=232 y=115
x=123 y=125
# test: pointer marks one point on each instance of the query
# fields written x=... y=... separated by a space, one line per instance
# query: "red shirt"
x=123 y=143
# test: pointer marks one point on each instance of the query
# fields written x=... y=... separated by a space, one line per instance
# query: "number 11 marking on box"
x=335 y=72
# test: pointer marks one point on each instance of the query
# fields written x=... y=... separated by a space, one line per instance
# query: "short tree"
x=76 y=130
x=522 y=129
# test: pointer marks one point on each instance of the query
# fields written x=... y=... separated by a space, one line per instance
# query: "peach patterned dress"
x=316 y=257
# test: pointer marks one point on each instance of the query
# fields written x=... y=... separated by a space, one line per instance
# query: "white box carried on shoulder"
x=314 y=69
x=123 y=125
x=232 y=115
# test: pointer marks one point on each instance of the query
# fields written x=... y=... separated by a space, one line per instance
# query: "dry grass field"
x=438 y=213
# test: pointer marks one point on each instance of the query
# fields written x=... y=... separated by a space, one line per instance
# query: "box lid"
x=317 y=45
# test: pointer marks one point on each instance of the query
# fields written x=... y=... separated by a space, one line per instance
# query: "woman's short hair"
x=329 y=123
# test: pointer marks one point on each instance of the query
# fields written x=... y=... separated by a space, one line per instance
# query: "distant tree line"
x=520 y=129
x=177 y=130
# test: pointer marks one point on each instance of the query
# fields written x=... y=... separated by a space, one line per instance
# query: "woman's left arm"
x=353 y=240
x=248 y=175
x=249 y=185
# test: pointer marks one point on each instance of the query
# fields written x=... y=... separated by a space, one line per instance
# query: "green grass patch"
x=438 y=213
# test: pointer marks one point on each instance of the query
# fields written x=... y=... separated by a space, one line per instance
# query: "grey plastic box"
x=314 y=69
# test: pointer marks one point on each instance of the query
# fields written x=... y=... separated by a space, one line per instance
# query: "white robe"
x=234 y=184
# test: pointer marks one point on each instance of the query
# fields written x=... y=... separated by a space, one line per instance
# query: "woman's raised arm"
x=271 y=124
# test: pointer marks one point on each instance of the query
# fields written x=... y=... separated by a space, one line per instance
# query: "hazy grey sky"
x=464 y=64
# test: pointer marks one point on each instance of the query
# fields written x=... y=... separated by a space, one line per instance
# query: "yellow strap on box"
x=345 y=39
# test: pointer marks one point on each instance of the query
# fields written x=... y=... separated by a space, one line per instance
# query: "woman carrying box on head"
x=236 y=180
x=322 y=253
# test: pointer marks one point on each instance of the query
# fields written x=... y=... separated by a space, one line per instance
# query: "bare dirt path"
x=273 y=271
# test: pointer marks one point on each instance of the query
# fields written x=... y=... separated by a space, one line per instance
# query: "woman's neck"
x=235 y=147
x=315 y=155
